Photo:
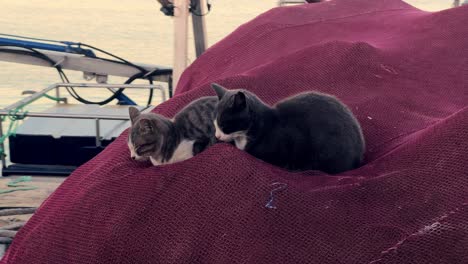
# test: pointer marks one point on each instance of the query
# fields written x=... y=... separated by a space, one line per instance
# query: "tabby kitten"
x=308 y=131
x=164 y=141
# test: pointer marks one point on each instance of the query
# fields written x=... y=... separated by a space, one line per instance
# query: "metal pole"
x=285 y=2
x=181 y=13
x=199 y=26
x=2 y=146
x=39 y=94
x=59 y=115
x=106 y=85
x=30 y=99
x=163 y=95
x=98 y=134
x=57 y=93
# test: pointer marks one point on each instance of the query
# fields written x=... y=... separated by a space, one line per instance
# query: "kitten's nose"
x=134 y=157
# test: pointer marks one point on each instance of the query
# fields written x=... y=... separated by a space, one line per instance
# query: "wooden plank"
x=8 y=220
x=30 y=198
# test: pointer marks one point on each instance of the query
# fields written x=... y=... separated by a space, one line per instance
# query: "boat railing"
x=286 y=2
x=11 y=109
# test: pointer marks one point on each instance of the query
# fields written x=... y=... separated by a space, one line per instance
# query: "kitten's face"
x=143 y=140
x=232 y=117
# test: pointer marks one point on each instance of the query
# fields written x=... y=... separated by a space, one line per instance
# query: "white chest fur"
x=155 y=162
x=183 y=151
x=131 y=148
x=241 y=141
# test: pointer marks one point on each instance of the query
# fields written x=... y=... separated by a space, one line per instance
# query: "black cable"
x=150 y=96
x=36 y=53
x=109 y=54
x=40 y=55
x=168 y=8
x=131 y=79
x=65 y=79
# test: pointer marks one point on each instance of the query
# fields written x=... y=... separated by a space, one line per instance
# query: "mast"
x=199 y=10
x=181 y=12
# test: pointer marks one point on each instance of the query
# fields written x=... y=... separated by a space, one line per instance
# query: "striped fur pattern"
x=163 y=141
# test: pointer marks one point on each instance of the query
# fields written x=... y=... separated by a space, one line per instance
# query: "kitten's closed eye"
x=144 y=148
x=133 y=153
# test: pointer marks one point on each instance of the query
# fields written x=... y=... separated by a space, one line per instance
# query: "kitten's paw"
x=155 y=162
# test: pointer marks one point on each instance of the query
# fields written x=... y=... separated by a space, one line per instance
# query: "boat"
x=75 y=131
x=38 y=146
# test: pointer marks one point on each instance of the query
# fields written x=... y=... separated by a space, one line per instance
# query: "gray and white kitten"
x=308 y=131
x=164 y=141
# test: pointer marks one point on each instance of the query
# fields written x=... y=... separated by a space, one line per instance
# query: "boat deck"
x=28 y=198
x=45 y=185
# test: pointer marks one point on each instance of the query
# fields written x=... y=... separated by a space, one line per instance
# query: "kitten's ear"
x=239 y=101
x=133 y=112
x=220 y=91
x=145 y=126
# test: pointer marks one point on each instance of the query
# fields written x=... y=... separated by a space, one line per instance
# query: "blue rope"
x=14 y=116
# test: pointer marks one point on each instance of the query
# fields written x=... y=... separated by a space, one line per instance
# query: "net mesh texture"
x=404 y=74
